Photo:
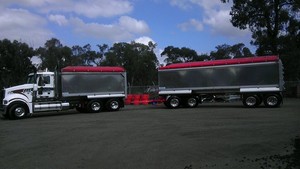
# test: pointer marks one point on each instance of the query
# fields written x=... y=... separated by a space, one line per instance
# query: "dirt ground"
x=213 y=135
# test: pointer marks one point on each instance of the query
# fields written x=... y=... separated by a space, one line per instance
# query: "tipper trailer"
x=254 y=79
x=88 y=89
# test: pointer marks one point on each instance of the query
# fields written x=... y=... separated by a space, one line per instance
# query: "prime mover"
x=88 y=89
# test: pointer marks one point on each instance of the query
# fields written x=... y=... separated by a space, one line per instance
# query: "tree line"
x=139 y=60
x=275 y=27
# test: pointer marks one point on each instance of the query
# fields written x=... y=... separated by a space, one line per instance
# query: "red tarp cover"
x=93 y=69
x=222 y=62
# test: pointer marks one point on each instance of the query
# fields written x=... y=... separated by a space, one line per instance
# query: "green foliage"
x=275 y=27
x=88 y=57
x=227 y=52
x=14 y=62
x=179 y=55
x=139 y=61
x=266 y=19
x=54 y=55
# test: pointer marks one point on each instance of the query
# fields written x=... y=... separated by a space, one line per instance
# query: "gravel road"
x=214 y=135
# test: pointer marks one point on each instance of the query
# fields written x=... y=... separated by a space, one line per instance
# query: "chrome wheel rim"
x=272 y=100
x=251 y=101
x=174 y=102
x=19 y=112
x=114 y=105
x=96 y=106
x=192 y=102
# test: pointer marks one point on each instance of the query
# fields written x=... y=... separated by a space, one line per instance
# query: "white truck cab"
x=17 y=100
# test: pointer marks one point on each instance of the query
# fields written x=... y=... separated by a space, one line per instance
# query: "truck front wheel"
x=113 y=105
x=174 y=102
x=94 y=106
x=18 y=111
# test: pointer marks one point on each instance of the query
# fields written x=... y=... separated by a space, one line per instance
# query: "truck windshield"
x=31 y=79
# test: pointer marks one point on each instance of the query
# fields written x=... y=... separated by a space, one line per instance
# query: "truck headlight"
x=5 y=102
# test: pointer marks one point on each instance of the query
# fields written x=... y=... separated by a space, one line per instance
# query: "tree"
x=139 y=60
x=78 y=55
x=275 y=27
x=15 y=62
x=55 y=55
x=227 y=52
x=223 y=52
x=179 y=55
x=267 y=20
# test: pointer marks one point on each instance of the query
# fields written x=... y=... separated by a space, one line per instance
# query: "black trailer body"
x=93 y=83
x=255 y=79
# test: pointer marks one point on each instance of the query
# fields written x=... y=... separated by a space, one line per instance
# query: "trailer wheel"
x=94 y=106
x=174 y=102
x=17 y=111
x=272 y=100
x=113 y=105
x=250 y=100
x=192 y=102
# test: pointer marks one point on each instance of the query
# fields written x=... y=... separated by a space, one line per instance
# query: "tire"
x=174 y=102
x=112 y=105
x=17 y=111
x=250 y=101
x=272 y=100
x=94 y=106
x=192 y=102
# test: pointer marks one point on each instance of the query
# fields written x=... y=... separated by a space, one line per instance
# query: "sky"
x=200 y=25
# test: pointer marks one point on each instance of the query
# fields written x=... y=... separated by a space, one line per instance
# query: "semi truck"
x=254 y=80
x=85 y=88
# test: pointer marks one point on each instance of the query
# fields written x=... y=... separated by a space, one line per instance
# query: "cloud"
x=59 y=19
x=87 y=8
x=220 y=23
x=205 y=4
x=133 y=25
x=191 y=24
x=215 y=17
x=103 y=8
x=144 y=40
x=183 y=4
x=21 y=25
x=126 y=28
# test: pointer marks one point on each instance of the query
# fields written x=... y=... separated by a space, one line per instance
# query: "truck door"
x=45 y=86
